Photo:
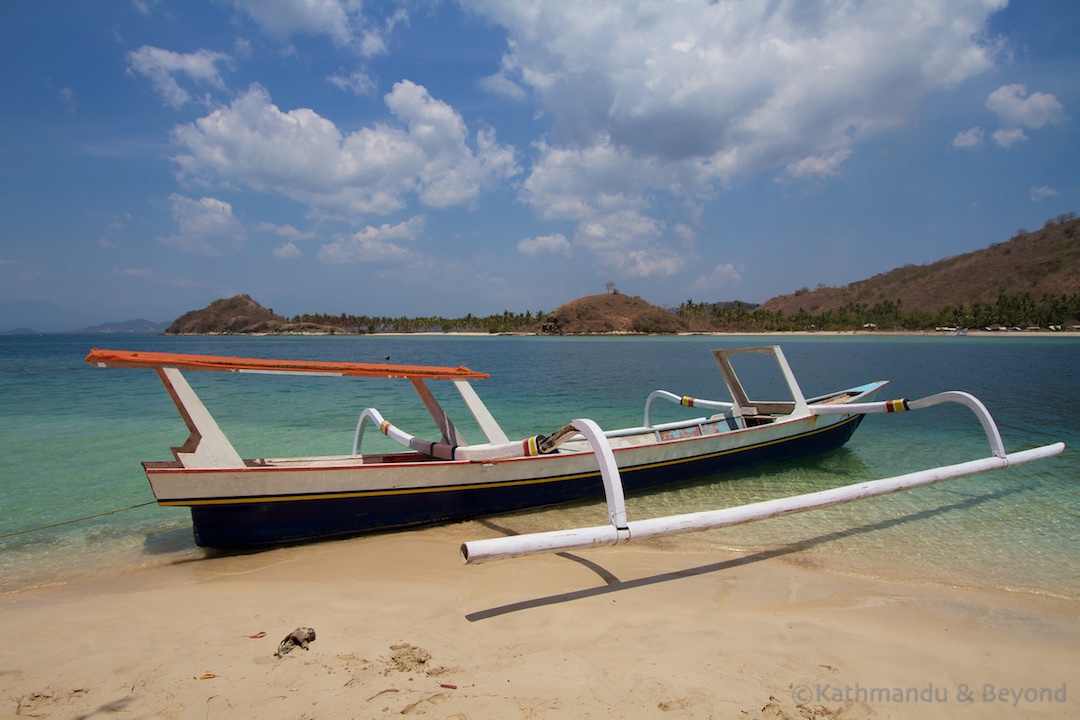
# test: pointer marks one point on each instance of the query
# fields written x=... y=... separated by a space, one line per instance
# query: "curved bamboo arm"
x=684 y=400
x=443 y=451
x=993 y=436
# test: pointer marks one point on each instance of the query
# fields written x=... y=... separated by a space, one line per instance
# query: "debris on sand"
x=300 y=637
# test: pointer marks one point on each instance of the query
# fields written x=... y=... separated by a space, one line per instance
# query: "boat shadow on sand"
x=614 y=584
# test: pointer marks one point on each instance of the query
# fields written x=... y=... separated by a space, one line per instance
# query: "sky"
x=474 y=156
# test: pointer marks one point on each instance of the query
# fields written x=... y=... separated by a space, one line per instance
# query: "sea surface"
x=72 y=438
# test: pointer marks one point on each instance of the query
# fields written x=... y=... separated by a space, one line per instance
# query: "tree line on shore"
x=1008 y=311
x=362 y=324
x=1048 y=311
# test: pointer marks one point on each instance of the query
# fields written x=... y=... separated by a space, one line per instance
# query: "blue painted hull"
x=254 y=522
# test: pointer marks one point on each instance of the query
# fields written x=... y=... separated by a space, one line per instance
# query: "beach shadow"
x=168 y=541
x=109 y=708
x=198 y=554
x=613 y=584
x=606 y=576
x=208 y=554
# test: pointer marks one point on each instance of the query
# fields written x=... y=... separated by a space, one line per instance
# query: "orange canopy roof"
x=138 y=359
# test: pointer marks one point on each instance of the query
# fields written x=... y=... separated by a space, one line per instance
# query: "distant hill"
x=1040 y=263
x=610 y=313
x=21 y=331
x=129 y=326
x=238 y=314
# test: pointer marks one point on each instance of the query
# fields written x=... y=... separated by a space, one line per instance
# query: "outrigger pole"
x=619 y=530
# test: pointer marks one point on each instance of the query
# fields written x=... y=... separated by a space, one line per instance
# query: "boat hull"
x=272 y=504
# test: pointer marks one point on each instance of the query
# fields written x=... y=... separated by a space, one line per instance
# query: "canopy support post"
x=206 y=446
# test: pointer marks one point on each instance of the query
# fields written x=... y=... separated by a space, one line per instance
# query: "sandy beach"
x=403 y=628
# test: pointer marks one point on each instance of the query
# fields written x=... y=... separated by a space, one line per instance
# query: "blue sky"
x=442 y=158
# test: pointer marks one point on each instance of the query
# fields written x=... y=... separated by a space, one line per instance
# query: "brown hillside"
x=238 y=314
x=1044 y=262
x=610 y=313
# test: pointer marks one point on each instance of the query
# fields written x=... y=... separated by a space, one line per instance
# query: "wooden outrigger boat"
x=237 y=502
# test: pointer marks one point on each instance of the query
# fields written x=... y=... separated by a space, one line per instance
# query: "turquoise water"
x=72 y=438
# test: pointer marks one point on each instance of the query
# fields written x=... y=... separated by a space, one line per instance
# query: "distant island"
x=1030 y=282
x=127 y=327
x=130 y=326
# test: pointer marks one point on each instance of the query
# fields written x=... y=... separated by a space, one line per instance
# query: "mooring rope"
x=69 y=522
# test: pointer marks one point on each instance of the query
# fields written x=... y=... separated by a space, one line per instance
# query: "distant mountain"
x=130 y=326
x=1040 y=263
x=21 y=331
x=610 y=313
x=43 y=316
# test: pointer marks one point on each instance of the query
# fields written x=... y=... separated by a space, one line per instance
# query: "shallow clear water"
x=72 y=438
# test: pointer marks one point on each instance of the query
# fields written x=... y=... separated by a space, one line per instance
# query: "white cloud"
x=373 y=244
x=374 y=39
x=579 y=183
x=500 y=84
x=343 y=21
x=143 y=6
x=288 y=251
x=556 y=244
x=609 y=193
x=1038 y=194
x=722 y=276
x=967 y=139
x=67 y=97
x=1015 y=108
x=162 y=67
x=287 y=232
x=242 y=48
x=285 y=18
x=1006 y=138
x=142 y=273
x=204 y=226
x=631 y=243
x=452 y=173
x=653 y=104
x=356 y=82
x=303 y=156
x=818 y=165
x=754 y=87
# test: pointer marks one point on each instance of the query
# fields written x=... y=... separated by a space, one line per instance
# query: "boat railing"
x=528 y=447
x=620 y=530
x=733 y=423
x=685 y=401
x=539 y=444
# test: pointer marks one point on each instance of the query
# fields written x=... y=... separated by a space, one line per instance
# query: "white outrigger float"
x=238 y=502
